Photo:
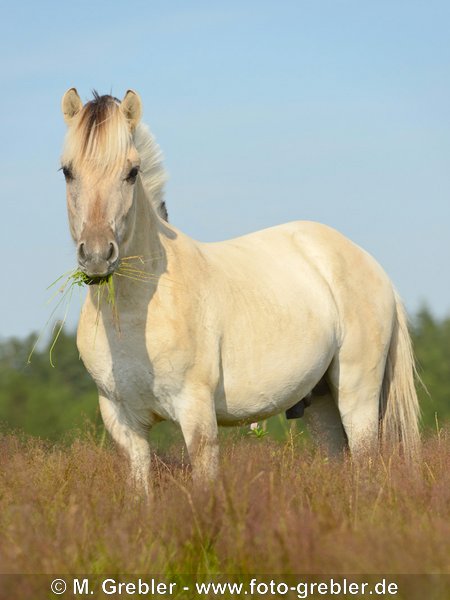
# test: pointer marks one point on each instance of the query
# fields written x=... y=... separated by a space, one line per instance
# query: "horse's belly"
x=264 y=383
x=231 y=410
x=253 y=404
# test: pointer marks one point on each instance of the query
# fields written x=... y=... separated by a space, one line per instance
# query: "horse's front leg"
x=130 y=432
x=197 y=418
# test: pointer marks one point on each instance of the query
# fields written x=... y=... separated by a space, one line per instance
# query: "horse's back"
x=303 y=253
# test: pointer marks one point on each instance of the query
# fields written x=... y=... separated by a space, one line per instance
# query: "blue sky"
x=266 y=112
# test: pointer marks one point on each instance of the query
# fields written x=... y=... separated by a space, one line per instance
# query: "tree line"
x=51 y=401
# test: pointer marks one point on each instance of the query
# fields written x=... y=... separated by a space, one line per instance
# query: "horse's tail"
x=399 y=405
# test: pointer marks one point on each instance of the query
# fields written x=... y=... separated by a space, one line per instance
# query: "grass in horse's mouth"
x=95 y=280
x=105 y=290
x=70 y=281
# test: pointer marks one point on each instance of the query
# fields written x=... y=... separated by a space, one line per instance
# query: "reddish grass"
x=276 y=508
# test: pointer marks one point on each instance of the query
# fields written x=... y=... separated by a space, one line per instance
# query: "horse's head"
x=100 y=164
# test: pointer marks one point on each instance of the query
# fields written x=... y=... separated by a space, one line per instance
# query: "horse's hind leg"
x=324 y=423
x=131 y=434
x=356 y=388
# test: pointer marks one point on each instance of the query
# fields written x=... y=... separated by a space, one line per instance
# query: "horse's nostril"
x=112 y=253
x=81 y=252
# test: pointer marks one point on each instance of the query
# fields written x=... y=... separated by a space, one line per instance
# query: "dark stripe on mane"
x=95 y=113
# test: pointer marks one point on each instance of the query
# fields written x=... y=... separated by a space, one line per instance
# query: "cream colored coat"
x=236 y=331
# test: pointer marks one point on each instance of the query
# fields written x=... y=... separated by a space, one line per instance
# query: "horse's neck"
x=144 y=241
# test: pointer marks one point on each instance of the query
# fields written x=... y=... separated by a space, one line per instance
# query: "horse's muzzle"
x=98 y=260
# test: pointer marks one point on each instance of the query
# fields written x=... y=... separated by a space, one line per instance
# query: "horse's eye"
x=67 y=173
x=131 y=177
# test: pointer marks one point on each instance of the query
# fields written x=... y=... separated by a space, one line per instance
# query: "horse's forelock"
x=101 y=137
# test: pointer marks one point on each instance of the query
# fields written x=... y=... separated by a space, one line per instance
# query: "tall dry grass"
x=276 y=508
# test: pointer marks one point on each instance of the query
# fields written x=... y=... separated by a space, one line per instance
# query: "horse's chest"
x=117 y=368
x=127 y=368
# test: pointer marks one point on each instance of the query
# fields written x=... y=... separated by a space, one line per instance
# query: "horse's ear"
x=71 y=104
x=132 y=108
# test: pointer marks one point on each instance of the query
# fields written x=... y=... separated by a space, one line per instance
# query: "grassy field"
x=276 y=508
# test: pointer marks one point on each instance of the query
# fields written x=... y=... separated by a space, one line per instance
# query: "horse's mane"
x=101 y=138
x=152 y=171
